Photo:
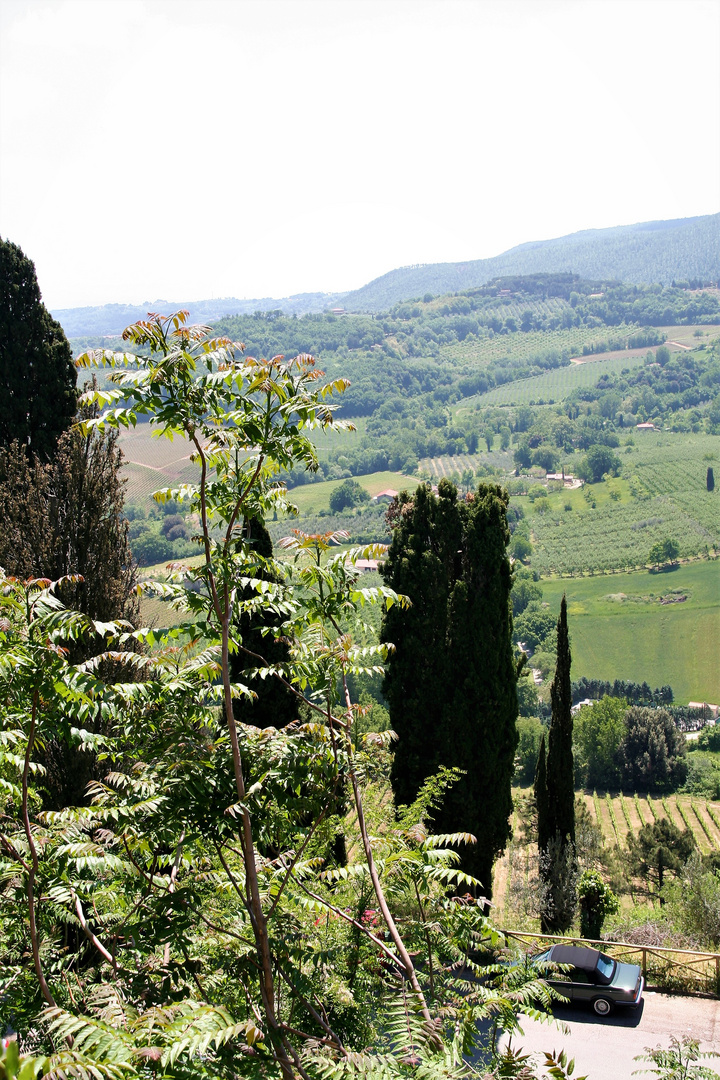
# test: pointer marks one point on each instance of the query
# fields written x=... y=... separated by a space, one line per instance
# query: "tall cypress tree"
x=555 y=794
x=274 y=705
x=560 y=770
x=37 y=373
x=450 y=684
x=541 y=799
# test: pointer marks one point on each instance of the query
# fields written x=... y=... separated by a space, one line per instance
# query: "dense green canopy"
x=37 y=374
x=450 y=684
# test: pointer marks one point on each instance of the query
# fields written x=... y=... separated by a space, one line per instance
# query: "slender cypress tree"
x=541 y=799
x=274 y=705
x=450 y=684
x=560 y=770
x=555 y=794
x=37 y=373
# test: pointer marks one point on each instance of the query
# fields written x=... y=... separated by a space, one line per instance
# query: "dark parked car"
x=594 y=978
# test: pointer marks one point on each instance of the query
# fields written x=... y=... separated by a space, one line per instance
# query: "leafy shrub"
x=709 y=738
x=663 y=551
x=150 y=546
x=534 y=624
x=173 y=521
x=652 y=754
x=703 y=775
x=524 y=591
x=596 y=901
x=544 y=658
x=527 y=695
x=520 y=546
x=694 y=901
x=597 y=734
x=530 y=731
x=346 y=495
x=598 y=461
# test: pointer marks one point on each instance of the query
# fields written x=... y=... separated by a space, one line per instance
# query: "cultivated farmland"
x=662 y=493
x=615 y=815
x=621 y=629
x=528 y=345
x=554 y=385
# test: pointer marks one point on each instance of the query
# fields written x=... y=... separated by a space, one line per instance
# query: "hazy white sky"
x=182 y=150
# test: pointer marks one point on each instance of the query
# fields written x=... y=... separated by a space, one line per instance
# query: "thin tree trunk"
x=367 y=847
x=34 y=866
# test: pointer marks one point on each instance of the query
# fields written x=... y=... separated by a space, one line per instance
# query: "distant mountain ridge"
x=110 y=320
x=646 y=253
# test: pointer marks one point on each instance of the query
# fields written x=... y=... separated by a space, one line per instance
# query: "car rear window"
x=605 y=967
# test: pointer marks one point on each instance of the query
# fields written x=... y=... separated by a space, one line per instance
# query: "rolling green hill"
x=647 y=252
x=652 y=251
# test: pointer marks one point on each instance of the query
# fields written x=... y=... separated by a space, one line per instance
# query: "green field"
x=616 y=816
x=317 y=496
x=619 y=629
x=554 y=385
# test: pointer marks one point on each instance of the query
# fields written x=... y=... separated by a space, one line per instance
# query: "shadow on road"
x=620 y=1018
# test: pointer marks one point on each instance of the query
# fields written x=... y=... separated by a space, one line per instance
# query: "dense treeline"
x=419 y=328
x=635 y=693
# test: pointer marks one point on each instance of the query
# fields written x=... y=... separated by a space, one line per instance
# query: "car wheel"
x=602 y=1006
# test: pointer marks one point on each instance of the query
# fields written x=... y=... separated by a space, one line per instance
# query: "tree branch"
x=91 y=936
x=33 y=870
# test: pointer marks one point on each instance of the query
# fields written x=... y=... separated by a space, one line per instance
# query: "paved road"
x=605 y=1049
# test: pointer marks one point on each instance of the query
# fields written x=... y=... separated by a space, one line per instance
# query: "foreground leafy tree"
x=680 y=1061
x=157 y=926
x=450 y=682
x=37 y=374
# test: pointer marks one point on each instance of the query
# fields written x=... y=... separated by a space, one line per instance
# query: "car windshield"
x=605 y=967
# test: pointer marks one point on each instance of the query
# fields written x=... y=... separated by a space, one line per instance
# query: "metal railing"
x=662 y=968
